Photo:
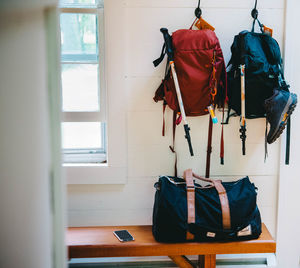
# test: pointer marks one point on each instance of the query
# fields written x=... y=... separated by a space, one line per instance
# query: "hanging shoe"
x=279 y=108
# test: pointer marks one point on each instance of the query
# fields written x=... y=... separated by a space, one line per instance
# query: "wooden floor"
x=88 y=242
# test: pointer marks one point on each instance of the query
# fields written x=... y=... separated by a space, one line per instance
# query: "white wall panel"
x=144 y=40
x=230 y=4
x=140 y=93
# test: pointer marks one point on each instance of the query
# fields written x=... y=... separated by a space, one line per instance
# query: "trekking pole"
x=243 y=110
x=243 y=95
x=170 y=53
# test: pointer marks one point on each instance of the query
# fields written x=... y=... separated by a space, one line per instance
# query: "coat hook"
x=198 y=11
x=254 y=12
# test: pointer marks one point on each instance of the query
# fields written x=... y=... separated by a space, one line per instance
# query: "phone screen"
x=123 y=235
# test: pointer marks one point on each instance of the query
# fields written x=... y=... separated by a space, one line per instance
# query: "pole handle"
x=168 y=42
x=188 y=137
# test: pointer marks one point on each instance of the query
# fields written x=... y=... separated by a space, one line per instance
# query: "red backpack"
x=201 y=73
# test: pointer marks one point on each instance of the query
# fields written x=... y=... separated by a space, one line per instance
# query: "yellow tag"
x=201 y=24
x=268 y=31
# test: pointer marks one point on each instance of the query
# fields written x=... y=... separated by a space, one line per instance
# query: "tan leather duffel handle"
x=190 y=191
x=202 y=178
x=188 y=176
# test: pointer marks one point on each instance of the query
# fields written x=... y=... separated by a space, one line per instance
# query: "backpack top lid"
x=261 y=52
x=185 y=39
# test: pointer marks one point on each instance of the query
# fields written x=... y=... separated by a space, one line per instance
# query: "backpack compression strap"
x=209 y=148
x=287 y=146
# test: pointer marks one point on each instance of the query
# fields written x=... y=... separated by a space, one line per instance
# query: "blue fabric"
x=261 y=55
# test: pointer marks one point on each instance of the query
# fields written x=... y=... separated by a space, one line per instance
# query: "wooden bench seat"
x=93 y=242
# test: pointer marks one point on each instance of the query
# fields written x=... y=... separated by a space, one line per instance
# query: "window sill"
x=94 y=174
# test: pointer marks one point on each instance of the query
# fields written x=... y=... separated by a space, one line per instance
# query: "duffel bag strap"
x=223 y=200
x=224 y=203
x=190 y=190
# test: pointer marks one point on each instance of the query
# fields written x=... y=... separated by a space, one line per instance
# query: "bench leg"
x=182 y=261
x=207 y=261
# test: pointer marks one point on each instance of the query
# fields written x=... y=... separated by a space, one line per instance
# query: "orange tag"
x=268 y=31
x=201 y=24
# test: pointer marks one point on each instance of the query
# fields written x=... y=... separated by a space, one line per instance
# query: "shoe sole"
x=285 y=115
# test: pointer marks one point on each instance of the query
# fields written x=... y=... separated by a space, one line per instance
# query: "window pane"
x=80 y=87
x=78 y=34
x=83 y=135
x=81 y=2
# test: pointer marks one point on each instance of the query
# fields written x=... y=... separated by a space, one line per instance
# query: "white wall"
x=25 y=156
x=147 y=151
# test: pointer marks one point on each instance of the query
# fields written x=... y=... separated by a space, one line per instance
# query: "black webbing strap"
x=266 y=143
x=287 y=148
x=222 y=139
x=164 y=124
x=161 y=57
x=172 y=147
x=209 y=148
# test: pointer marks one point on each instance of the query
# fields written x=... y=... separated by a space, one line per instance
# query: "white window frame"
x=115 y=170
x=94 y=155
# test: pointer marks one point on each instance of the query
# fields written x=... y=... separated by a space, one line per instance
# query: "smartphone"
x=123 y=235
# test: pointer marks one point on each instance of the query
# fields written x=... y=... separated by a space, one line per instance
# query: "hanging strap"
x=193 y=24
x=287 y=148
x=164 y=124
x=213 y=93
x=161 y=57
x=266 y=143
x=222 y=141
x=172 y=147
x=209 y=148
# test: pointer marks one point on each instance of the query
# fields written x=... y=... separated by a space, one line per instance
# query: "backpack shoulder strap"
x=161 y=57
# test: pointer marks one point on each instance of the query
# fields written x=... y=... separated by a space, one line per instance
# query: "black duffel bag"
x=221 y=211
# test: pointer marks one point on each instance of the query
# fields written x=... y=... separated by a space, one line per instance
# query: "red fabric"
x=193 y=58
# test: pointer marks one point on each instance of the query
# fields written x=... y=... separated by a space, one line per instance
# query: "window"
x=110 y=114
x=83 y=84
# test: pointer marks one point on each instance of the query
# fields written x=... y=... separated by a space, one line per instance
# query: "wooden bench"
x=93 y=242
